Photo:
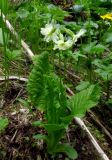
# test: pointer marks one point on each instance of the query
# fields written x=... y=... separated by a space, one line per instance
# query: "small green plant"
x=104 y=70
x=49 y=95
x=3 y=124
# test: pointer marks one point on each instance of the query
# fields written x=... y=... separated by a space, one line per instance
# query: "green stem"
x=65 y=63
x=53 y=57
x=108 y=88
x=60 y=67
x=6 y=63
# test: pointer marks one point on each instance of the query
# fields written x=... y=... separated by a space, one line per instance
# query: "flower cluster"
x=62 y=37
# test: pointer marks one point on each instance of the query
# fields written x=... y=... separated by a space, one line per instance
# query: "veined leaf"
x=36 y=81
x=65 y=148
x=82 y=85
x=84 y=100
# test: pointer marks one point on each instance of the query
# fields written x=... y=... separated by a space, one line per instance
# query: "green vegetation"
x=3 y=124
x=68 y=38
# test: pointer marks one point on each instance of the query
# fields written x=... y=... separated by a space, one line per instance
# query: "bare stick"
x=93 y=116
x=2 y=78
x=92 y=139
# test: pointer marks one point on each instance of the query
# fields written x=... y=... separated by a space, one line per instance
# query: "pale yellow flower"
x=50 y=32
x=62 y=37
x=63 y=44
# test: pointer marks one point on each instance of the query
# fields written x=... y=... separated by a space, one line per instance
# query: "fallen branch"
x=78 y=120
x=92 y=139
x=96 y=120
x=2 y=78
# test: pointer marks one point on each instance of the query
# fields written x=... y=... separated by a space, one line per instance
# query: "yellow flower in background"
x=107 y=16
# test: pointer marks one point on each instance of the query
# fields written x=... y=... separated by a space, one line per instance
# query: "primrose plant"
x=61 y=37
x=48 y=94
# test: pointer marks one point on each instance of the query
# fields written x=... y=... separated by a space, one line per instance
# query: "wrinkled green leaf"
x=84 y=100
x=65 y=148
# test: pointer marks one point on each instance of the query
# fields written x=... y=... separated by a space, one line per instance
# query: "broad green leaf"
x=108 y=37
x=84 y=100
x=82 y=85
x=22 y=13
x=3 y=124
x=65 y=148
